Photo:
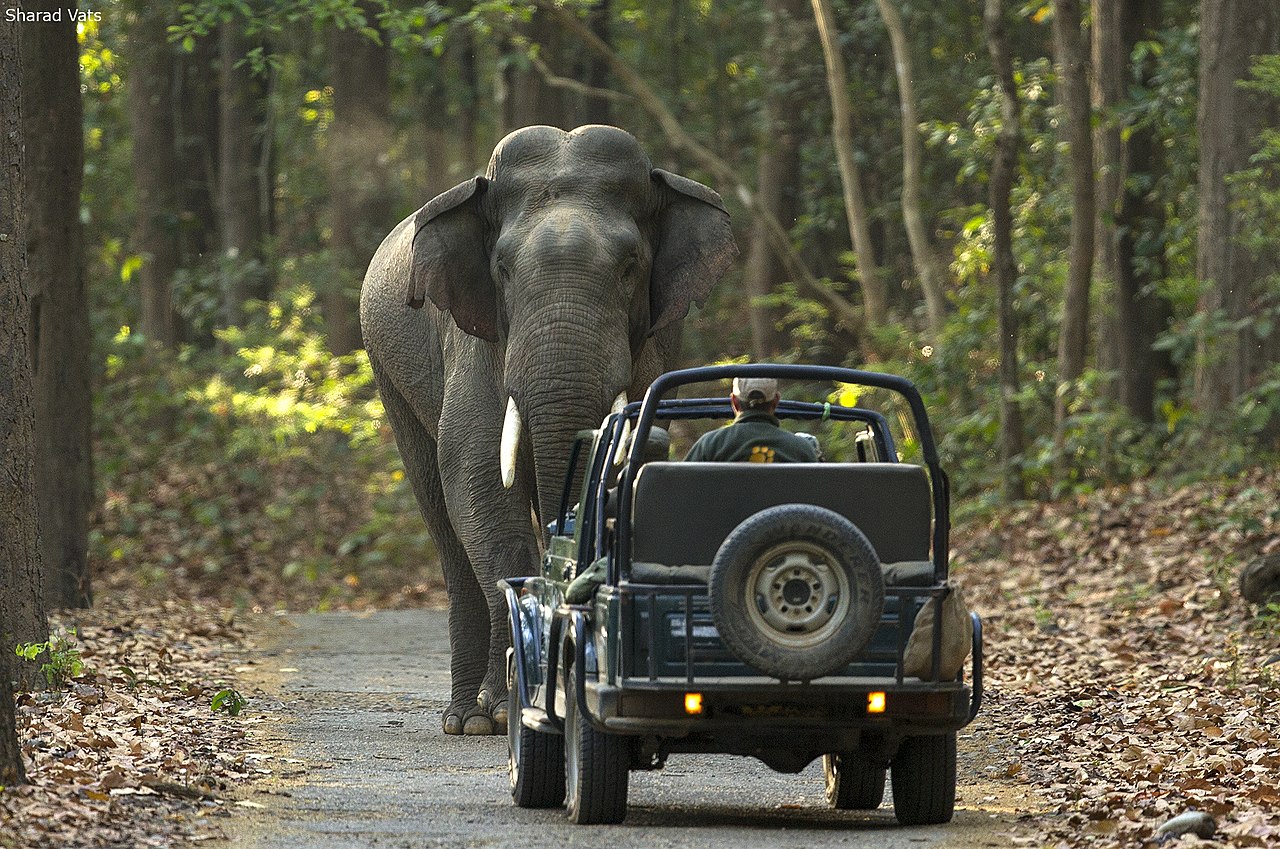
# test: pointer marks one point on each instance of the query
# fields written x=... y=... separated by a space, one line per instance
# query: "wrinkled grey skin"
x=558 y=279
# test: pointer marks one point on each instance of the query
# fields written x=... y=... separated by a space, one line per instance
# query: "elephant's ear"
x=450 y=265
x=694 y=246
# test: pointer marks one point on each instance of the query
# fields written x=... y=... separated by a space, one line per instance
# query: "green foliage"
x=228 y=700
x=62 y=661
x=407 y=29
x=268 y=466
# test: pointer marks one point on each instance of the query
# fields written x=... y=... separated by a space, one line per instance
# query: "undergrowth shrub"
x=266 y=472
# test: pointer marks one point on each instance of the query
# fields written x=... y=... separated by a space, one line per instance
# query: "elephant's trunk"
x=568 y=360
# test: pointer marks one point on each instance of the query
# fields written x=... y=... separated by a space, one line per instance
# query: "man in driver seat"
x=754 y=435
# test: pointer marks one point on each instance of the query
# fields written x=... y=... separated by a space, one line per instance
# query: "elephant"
x=504 y=316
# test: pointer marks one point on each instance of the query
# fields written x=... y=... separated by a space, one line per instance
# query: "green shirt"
x=754 y=437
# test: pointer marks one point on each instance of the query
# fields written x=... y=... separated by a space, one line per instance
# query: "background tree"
x=787 y=33
x=157 y=174
x=12 y=261
x=923 y=255
x=874 y=298
x=21 y=597
x=59 y=305
x=1230 y=120
x=1141 y=313
x=357 y=156
x=244 y=150
x=1110 y=62
x=12 y=771
x=1073 y=93
x=1003 y=263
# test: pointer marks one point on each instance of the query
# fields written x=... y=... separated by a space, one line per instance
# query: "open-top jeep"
x=744 y=608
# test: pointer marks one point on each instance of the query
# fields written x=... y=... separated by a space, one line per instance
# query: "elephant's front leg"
x=482 y=641
x=469 y=636
x=495 y=529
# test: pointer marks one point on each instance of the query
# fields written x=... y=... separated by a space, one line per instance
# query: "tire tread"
x=853 y=784
x=604 y=763
x=539 y=768
x=924 y=779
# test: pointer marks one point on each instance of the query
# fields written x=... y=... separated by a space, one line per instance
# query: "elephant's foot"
x=486 y=716
x=474 y=723
x=496 y=708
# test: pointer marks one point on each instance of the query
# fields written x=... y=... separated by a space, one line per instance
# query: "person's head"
x=752 y=394
x=656 y=448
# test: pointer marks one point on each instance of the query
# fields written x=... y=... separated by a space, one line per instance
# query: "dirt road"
x=352 y=720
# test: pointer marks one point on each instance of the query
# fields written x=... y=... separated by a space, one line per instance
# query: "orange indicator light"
x=875 y=702
x=693 y=703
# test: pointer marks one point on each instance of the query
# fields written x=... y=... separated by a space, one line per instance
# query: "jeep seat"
x=683 y=511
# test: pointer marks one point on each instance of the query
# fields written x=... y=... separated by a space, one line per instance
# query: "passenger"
x=754 y=435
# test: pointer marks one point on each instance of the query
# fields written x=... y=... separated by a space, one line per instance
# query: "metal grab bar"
x=646 y=596
x=975 y=699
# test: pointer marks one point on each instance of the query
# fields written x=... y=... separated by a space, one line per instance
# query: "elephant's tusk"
x=510 y=444
x=618 y=404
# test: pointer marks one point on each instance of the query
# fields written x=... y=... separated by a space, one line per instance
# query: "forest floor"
x=1127 y=683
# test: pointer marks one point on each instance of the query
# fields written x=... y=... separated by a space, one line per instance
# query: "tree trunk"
x=21 y=581
x=1006 y=270
x=533 y=99
x=933 y=279
x=530 y=99
x=468 y=111
x=777 y=173
x=1128 y=212
x=1110 y=70
x=150 y=104
x=12 y=772
x=59 y=306
x=1230 y=118
x=16 y=445
x=241 y=139
x=592 y=70
x=874 y=293
x=1141 y=315
x=359 y=175
x=1073 y=94
x=197 y=136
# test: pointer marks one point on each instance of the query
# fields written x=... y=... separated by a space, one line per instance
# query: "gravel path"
x=351 y=710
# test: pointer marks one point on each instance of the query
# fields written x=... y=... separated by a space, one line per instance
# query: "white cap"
x=755 y=391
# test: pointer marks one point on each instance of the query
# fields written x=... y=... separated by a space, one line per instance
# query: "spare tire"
x=796 y=591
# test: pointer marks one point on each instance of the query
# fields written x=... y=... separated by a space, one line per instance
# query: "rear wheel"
x=853 y=783
x=924 y=779
x=596 y=765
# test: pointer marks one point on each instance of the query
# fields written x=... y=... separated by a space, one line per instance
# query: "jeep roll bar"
x=940 y=485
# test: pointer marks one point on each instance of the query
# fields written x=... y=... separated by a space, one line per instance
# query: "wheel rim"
x=829 y=778
x=513 y=726
x=572 y=741
x=513 y=745
x=798 y=596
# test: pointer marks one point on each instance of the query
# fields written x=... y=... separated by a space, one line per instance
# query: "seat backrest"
x=682 y=512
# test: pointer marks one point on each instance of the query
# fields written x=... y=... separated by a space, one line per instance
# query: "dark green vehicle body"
x=645 y=639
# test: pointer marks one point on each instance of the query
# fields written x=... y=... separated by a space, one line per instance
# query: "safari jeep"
x=780 y=611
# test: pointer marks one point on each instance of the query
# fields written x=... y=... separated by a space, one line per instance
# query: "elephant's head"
x=570 y=253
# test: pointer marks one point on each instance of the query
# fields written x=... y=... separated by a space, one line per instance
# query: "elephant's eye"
x=629 y=266
x=503 y=274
